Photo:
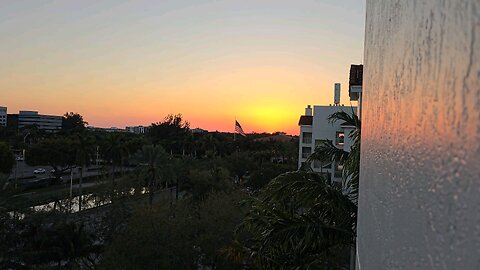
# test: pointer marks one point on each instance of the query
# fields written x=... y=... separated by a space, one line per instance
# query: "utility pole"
x=71 y=183
x=96 y=160
x=71 y=188
x=16 y=169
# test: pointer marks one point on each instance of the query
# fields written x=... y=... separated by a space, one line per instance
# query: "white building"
x=137 y=129
x=315 y=128
x=3 y=116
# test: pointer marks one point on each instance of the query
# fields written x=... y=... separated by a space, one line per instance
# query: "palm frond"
x=326 y=152
x=349 y=119
x=298 y=215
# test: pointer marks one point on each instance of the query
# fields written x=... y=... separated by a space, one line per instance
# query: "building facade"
x=3 y=116
x=43 y=122
x=419 y=203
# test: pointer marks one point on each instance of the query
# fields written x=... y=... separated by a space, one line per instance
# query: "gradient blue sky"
x=132 y=62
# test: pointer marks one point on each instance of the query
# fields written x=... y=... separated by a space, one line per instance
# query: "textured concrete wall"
x=419 y=202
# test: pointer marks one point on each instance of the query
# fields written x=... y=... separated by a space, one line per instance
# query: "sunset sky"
x=121 y=63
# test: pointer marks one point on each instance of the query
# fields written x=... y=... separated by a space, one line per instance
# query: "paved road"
x=22 y=170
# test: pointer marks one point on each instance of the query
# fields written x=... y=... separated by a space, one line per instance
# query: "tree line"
x=186 y=180
x=188 y=201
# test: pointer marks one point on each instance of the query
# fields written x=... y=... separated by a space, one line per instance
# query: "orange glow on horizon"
x=211 y=62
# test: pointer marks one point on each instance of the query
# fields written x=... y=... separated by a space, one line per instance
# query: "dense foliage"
x=185 y=236
x=7 y=159
x=168 y=199
x=300 y=220
x=173 y=199
x=73 y=121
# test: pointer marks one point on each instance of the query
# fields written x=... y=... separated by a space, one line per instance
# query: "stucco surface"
x=419 y=205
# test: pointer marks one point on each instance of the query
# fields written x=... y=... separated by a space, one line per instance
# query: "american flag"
x=238 y=129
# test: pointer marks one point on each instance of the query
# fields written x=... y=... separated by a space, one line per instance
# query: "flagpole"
x=235 y=128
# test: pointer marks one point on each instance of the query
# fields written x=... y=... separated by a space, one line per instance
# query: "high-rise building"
x=43 y=122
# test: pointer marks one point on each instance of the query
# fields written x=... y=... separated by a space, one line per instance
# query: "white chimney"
x=308 y=110
x=336 y=99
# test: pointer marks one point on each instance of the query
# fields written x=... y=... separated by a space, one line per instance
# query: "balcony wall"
x=419 y=205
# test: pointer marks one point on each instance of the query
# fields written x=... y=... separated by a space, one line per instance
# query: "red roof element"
x=305 y=120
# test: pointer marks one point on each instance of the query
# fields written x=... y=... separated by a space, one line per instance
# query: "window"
x=340 y=138
x=307 y=137
x=306 y=151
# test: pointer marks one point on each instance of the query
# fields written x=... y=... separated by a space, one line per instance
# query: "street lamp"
x=16 y=170
x=25 y=137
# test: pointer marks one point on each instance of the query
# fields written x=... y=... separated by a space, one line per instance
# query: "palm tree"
x=115 y=151
x=152 y=162
x=84 y=151
x=73 y=243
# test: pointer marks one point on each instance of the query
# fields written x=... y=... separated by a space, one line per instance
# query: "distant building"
x=110 y=129
x=43 y=122
x=315 y=128
x=137 y=129
x=3 y=116
x=279 y=136
x=198 y=130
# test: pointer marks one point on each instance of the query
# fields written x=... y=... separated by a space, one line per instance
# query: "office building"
x=43 y=122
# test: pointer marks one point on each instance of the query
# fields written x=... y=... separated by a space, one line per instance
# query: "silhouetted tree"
x=73 y=121
x=185 y=236
x=152 y=162
x=7 y=159
x=84 y=150
x=114 y=151
x=171 y=133
x=56 y=152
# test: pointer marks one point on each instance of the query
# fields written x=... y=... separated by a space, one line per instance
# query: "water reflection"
x=89 y=201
